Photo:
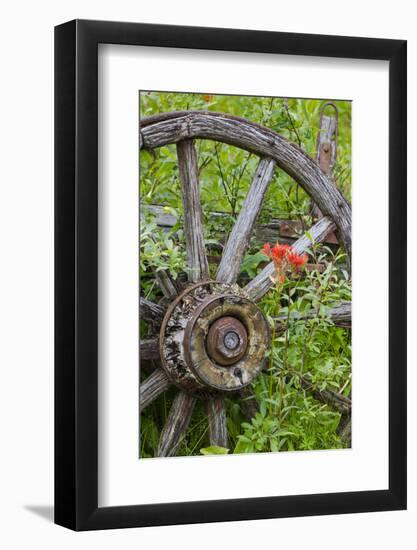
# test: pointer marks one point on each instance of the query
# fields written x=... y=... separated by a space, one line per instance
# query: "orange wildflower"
x=297 y=261
x=266 y=249
x=280 y=251
x=284 y=258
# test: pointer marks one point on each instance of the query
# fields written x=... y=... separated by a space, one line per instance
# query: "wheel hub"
x=227 y=340
x=213 y=338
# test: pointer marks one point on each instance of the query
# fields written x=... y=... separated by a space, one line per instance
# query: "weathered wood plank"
x=152 y=388
x=240 y=236
x=334 y=400
x=162 y=218
x=149 y=349
x=149 y=311
x=326 y=149
x=169 y=287
x=216 y=413
x=287 y=231
x=293 y=229
x=175 y=127
x=344 y=430
x=176 y=425
x=340 y=315
x=260 y=285
x=193 y=224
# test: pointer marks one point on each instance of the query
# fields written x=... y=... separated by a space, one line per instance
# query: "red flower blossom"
x=280 y=251
x=208 y=98
x=285 y=258
x=297 y=261
x=266 y=249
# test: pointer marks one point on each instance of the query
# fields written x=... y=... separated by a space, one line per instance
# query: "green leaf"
x=251 y=262
x=214 y=450
x=243 y=447
x=281 y=433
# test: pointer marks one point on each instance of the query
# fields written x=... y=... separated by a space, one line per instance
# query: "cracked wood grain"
x=176 y=425
x=217 y=421
x=340 y=315
x=149 y=349
x=152 y=388
x=169 y=287
x=149 y=311
x=240 y=236
x=193 y=224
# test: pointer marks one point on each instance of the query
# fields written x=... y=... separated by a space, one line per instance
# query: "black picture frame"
x=76 y=271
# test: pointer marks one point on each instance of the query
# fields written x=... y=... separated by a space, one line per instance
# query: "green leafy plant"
x=308 y=351
x=159 y=250
x=214 y=450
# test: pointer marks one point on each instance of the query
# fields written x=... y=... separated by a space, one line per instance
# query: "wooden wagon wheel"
x=212 y=335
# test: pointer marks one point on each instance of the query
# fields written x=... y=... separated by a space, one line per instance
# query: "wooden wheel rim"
x=174 y=127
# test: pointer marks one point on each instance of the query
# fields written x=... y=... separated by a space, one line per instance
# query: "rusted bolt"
x=231 y=340
x=227 y=340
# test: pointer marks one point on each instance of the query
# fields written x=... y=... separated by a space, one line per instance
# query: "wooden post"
x=326 y=148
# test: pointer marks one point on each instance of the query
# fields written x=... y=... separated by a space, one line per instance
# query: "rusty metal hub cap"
x=213 y=338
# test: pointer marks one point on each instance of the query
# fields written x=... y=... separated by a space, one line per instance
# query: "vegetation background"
x=315 y=350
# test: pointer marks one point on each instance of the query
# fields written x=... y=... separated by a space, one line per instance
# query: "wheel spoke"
x=149 y=311
x=344 y=430
x=260 y=285
x=149 y=349
x=176 y=425
x=217 y=421
x=167 y=284
x=152 y=388
x=335 y=401
x=240 y=235
x=340 y=315
x=193 y=225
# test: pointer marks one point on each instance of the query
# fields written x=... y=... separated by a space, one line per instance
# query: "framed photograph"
x=230 y=275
